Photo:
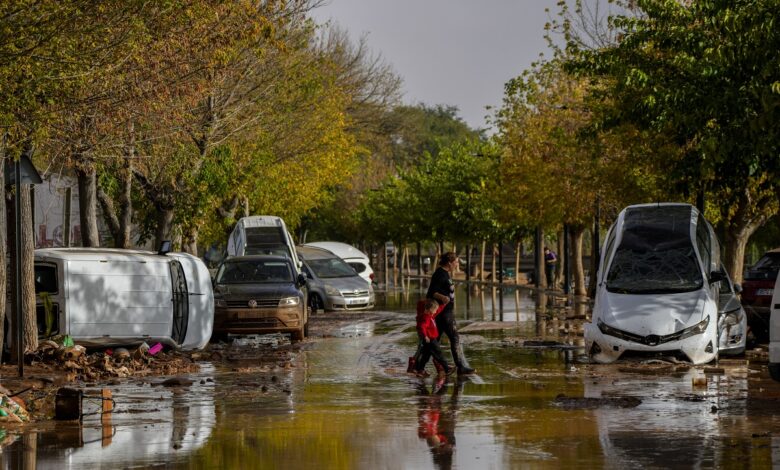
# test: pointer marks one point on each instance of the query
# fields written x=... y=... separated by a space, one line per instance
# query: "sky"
x=450 y=52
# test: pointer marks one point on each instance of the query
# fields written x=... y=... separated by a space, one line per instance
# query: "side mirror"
x=738 y=288
x=301 y=279
x=717 y=276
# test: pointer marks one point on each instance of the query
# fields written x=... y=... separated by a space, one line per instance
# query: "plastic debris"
x=155 y=349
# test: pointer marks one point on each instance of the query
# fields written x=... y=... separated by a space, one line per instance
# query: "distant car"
x=757 y=289
x=333 y=284
x=260 y=294
x=774 y=332
x=351 y=255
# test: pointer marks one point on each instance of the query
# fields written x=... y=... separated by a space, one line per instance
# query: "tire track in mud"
x=385 y=351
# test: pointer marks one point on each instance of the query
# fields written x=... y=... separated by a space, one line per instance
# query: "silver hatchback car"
x=332 y=283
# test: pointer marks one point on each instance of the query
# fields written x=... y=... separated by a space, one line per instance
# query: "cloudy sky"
x=453 y=52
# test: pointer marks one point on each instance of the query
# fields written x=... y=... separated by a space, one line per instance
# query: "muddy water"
x=348 y=403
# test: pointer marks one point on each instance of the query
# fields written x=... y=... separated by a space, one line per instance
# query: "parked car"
x=774 y=332
x=662 y=289
x=109 y=297
x=351 y=255
x=262 y=235
x=260 y=294
x=757 y=290
x=333 y=284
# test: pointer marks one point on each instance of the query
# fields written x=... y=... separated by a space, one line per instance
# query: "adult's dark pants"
x=445 y=322
x=428 y=350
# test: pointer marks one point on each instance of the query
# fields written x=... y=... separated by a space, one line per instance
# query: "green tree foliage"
x=706 y=75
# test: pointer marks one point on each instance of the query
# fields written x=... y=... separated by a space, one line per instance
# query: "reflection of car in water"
x=260 y=294
x=333 y=284
x=757 y=289
x=662 y=289
x=103 y=296
x=665 y=430
x=139 y=435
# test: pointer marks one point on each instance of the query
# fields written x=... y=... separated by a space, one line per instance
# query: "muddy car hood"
x=347 y=284
x=652 y=314
x=247 y=291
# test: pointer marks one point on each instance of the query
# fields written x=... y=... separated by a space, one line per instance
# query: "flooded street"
x=345 y=401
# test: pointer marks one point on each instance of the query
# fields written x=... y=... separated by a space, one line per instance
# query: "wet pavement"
x=345 y=401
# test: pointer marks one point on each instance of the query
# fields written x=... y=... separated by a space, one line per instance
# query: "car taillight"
x=371 y=276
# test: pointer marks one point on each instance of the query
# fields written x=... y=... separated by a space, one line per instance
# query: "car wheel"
x=315 y=303
x=298 y=335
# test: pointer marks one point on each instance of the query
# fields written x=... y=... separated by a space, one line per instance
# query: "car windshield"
x=254 y=272
x=766 y=268
x=331 y=267
x=655 y=255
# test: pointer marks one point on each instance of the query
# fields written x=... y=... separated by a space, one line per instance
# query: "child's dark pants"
x=429 y=349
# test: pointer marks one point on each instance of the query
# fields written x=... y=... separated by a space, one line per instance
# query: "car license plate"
x=765 y=292
x=360 y=300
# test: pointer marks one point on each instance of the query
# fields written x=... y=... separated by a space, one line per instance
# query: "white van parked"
x=103 y=296
x=662 y=289
x=262 y=235
x=351 y=255
x=774 y=333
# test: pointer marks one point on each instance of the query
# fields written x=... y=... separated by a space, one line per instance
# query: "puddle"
x=345 y=401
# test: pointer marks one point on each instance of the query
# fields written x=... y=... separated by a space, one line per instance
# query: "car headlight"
x=732 y=318
x=330 y=290
x=289 y=301
x=220 y=302
x=696 y=329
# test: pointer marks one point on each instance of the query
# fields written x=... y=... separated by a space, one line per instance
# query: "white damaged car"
x=662 y=289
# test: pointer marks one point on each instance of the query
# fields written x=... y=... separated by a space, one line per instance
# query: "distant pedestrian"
x=550 y=263
x=442 y=289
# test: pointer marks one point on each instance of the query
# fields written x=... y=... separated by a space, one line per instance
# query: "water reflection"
x=436 y=421
x=472 y=301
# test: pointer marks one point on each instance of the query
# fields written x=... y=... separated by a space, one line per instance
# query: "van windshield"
x=656 y=255
x=331 y=267
x=254 y=272
x=266 y=241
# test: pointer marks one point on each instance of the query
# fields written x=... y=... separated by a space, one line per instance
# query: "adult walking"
x=442 y=289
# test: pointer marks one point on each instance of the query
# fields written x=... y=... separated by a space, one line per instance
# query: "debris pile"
x=12 y=409
x=120 y=362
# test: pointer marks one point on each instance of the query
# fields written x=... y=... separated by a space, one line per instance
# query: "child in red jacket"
x=429 y=336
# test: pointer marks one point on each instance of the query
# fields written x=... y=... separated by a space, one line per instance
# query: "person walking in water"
x=442 y=289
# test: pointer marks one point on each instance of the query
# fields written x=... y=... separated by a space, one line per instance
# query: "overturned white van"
x=111 y=297
x=662 y=289
x=262 y=235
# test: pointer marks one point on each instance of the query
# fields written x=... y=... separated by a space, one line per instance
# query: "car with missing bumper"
x=662 y=289
x=333 y=284
x=260 y=294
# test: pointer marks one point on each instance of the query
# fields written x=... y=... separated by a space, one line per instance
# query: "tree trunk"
x=561 y=255
x=190 y=241
x=164 y=225
x=540 y=274
x=30 y=331
x=518 y=255
x=3 y=240
x=576 y=235
x=29 y=324
x=482 y=261
x=88 y=207
x=736 y=240
x=493 y=275
x=126 y=204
